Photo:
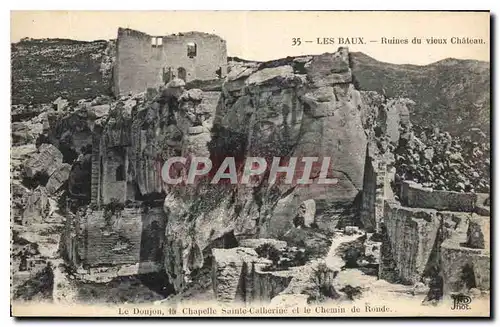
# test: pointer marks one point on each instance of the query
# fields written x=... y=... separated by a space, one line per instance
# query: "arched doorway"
x=181 y=73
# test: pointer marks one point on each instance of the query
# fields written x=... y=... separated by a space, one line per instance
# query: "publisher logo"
x=461 y=302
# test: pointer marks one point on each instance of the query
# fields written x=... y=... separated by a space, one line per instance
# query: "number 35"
x=296 y=41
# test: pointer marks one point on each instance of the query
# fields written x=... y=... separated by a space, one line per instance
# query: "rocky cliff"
x=297 y=107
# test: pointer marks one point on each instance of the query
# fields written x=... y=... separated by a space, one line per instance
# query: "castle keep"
x=144 y=61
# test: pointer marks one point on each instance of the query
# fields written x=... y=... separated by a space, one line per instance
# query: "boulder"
x=289 y=301
x=192 y=95
x=176 y=83
x=478 y=233
x=228 y=272
x=25 y=132
x=46 y=161
x=99 y=111
x=58 y=178
x=329 y=68
x=60 y=104
x=306 y=214
x=37 y=207
x=351 y=230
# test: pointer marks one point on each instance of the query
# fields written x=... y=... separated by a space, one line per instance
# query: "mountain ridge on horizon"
x=449 y=93
x=240 y=58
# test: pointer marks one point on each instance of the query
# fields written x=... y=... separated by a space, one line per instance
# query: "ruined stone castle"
x=144 y=61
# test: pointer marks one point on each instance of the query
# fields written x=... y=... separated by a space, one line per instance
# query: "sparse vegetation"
x=283 y=259
x=322 y=280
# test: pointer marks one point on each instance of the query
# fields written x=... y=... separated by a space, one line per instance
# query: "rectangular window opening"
x=191 y=49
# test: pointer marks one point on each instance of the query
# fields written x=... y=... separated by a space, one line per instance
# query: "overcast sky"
x=268 y=35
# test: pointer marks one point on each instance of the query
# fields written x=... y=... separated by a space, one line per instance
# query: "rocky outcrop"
x=232 y=273
x=46 y=161
x=447 y=250
x=295 y=108
x=116 y=238
x=315 y=280
x=58 y=178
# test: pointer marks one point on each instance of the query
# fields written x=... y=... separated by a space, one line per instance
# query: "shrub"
x=269 y=251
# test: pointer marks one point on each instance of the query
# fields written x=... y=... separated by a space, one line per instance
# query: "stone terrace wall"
x=412 y=234
x=437 y=234
x=416 y=196
x=459 y=261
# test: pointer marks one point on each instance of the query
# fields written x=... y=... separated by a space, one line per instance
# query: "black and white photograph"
x=234 y=164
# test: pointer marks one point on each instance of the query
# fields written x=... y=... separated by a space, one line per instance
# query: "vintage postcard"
x=237 y=164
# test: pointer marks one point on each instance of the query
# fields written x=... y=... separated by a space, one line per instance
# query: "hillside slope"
x=451 y=94
x=43 y=70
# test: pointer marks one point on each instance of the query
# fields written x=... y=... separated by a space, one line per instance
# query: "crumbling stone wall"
x=412 y=234
x=128 y=236
x=141 y=64
x=377 y=179
x=414 y=195
x=449 y=249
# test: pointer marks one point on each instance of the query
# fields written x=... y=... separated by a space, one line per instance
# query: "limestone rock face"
x=230 y=268
x=25 y=132
x=332 y=123
x=47 y=160
x=465 y=257
x=288 y=108
x=328 y=69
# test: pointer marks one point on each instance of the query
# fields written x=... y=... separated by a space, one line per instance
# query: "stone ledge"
x=416 y=196
x=106 y=274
